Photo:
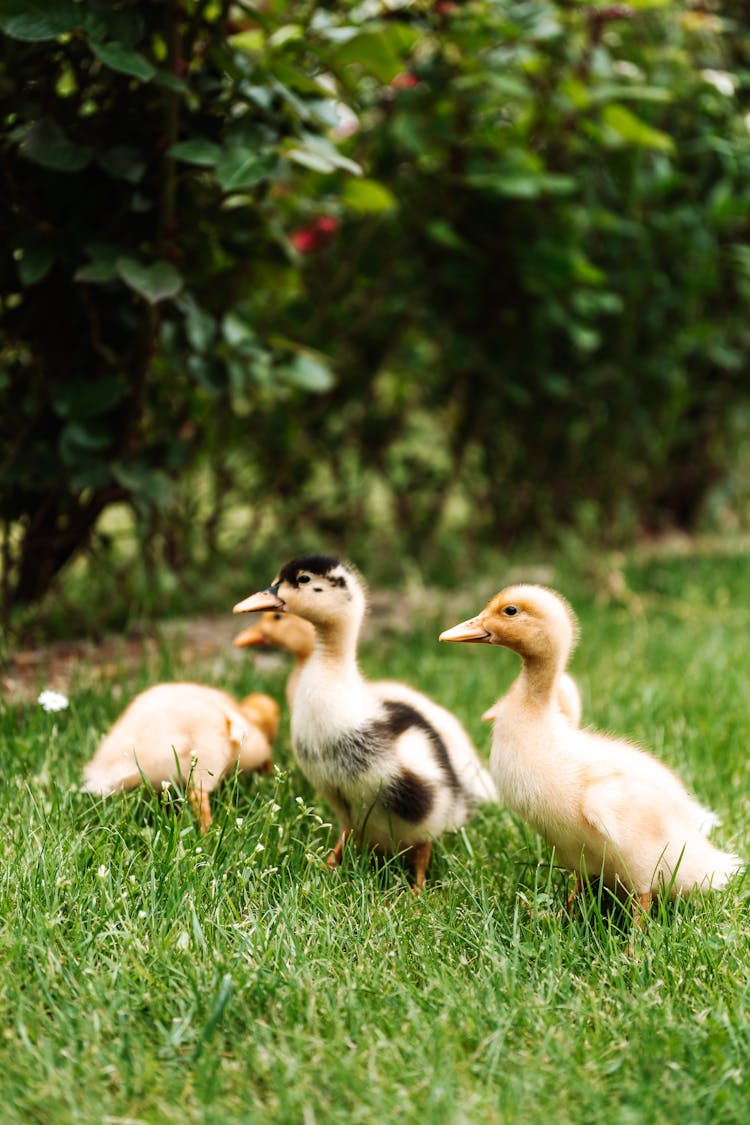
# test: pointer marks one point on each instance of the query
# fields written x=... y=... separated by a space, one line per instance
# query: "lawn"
x=154 y=975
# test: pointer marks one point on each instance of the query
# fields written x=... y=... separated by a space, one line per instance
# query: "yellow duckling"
x=608 y=808
x=285 y=631
x=397 y=769
x=184 y=733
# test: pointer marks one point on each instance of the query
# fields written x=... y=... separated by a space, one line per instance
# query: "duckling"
x=607 y=807
x=397 y=769
x=285 y=631
x=187 y=733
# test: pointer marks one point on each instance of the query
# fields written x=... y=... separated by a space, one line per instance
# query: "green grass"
x=151 y=975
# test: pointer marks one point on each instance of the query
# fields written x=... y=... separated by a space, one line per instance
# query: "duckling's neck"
x=540 y=677
x=336 y=643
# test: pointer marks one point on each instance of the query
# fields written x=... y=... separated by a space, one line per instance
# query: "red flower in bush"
x=315 y=235
x=404 y=81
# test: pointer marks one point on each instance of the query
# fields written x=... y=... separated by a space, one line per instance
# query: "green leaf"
x=36 y=22
x=377 y=52
x=103 y=264
x=196 y=151
x=309 y=371
x=200 y=326
x=242 y=168
x=124 y=162
x=124 y=60
x=155 y=282
x=631 y=130
x=83 y=400
x=320 y=155
x=516 y=186
x=251 y=41
x=35 y=264
x=47 y=145
x=237 y=331
x=76 y=439
x=148 y=485
x=170 y=81
x=368 y=196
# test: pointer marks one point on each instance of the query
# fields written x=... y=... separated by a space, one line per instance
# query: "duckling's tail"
x=726 y=864
x=478 y=785
x=103 y=782
x=703 y=867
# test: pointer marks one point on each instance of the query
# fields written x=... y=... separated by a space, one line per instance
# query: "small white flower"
x=142 y=914
x=199 y=851
x=53 y=700
x=275 y=808
x=102 y=872
x=239 y=821
x=260 y=848
x=165 y=785
x=720 y=81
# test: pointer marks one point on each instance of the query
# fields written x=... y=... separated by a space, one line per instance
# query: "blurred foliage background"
x=404 y=280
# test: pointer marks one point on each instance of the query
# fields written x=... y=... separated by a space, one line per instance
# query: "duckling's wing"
x=653 y=832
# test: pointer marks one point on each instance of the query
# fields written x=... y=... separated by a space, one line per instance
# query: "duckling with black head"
x=397 y=769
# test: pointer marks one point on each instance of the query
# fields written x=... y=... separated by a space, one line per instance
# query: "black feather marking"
x=313 y=564
x=359 y=750
x=402 y=716
x=353 y=753
x=408 y=797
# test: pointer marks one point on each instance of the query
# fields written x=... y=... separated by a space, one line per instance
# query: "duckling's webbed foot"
x=334 y=857
x=420 y=856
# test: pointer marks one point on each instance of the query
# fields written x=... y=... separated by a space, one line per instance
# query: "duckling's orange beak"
x=489 y=714
x=247 y=637
x=266 y=599
x=472 y=631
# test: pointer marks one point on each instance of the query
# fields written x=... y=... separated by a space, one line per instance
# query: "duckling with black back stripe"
x=397 y=769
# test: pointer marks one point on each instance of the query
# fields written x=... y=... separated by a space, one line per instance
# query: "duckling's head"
x=281 y=630
x=533 y=621
x=321 y=588
x=263 y=711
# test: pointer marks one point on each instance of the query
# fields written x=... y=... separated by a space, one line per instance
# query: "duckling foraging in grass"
x=187 y=733
x=608 y=808
x=397 y=769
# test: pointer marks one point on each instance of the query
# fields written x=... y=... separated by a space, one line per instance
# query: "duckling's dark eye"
x=277 y=617
x=510 y=611
x=303 y=578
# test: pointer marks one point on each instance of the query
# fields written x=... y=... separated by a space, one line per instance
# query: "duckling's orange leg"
x=420 y=854
x=573 y=896
x=334 y=857
x=641 y=908
x=640 y=905
x=201 y=806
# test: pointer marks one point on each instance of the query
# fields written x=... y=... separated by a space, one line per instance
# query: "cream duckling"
x=397 y=769
x=608 y=808
x=185 y=733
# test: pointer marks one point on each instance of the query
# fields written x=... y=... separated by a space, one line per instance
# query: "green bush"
x=153 y=156
x=534 y=299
